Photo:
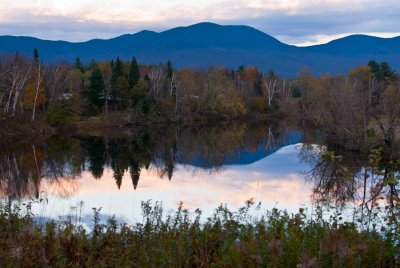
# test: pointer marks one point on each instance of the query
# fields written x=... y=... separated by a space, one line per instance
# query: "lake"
x=201 y=166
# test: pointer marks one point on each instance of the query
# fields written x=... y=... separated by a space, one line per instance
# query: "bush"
x=226 y=239
x=61 y=113
x=258 y=104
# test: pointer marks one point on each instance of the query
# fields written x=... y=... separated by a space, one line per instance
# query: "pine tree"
x=170 y=70
x=134 y=74
x=96 y=87
x=36 y=55
x=117 y=71
x=388 y=73
x=122 y=92
x=78 y=64
x=258 y=84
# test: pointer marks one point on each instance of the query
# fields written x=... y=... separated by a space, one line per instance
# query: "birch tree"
x=40 y=75
x=56 y=80
x=270 y=89
x=286 y=91
x=18 y=75
x=156 y=77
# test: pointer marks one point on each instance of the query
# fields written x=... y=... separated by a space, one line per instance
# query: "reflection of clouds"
x=272 y=180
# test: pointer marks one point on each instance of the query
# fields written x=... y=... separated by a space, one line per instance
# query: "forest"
x=65 y=93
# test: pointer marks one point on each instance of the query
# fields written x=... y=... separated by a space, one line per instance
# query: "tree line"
x=357 y=111
x=64 y=92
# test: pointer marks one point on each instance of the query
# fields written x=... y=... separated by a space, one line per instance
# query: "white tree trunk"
x=37 y=89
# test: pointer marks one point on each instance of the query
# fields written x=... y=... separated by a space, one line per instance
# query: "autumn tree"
x=34 y=92
x=189 y=88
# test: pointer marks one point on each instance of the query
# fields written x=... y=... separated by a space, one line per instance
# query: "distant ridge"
x=205 y=44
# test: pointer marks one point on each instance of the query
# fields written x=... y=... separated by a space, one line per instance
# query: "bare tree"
x=270 y=144
x=286 y=92
x=40 y=75
x=172 y=84
x=56 y=83
x=387 y=115
x=18 y=75
x=270 y=89
x=270 y=80
x=156 y=76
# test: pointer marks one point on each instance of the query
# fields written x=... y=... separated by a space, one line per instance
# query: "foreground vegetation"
x=226 y=239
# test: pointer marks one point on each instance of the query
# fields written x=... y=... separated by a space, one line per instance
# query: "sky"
x=276 y=180
x=297 y=22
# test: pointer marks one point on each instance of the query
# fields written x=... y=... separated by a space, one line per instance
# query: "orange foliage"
x=28 y=95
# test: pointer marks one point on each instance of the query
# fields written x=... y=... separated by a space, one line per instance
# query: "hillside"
x=206 y=44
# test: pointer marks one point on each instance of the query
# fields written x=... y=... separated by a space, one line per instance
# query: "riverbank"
x=17 y=129
x=126 y=121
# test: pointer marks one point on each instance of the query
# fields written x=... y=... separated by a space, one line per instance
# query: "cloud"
x=292 y=21
x=276 y=181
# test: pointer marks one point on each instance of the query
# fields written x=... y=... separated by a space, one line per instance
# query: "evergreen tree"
x=134 y=74
x=170 y=69
x=376 y=70
x=112 y=64
x=78 y=64
x=134 y=170
x=117 y=71
x=122 y=92
x=388 y=73
x=258 y=84
x=383 y=71
x=36 y=55
x=96 y=87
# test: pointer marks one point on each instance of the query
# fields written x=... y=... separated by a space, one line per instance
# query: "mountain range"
x=205 y=44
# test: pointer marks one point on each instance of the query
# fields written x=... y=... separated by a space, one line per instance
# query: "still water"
x=202 y=167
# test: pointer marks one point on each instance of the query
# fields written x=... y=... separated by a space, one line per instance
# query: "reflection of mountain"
x=24 y=169
x=245 y=156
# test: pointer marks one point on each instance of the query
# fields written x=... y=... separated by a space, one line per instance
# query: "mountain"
x=206 y=44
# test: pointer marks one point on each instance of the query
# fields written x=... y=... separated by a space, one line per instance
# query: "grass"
x=184 y=239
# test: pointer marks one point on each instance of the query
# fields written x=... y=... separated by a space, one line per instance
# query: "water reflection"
x=62 y=161
x=368 y=184
x=202 y=166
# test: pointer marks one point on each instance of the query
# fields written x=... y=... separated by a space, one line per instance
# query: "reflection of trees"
x=21 y=173
x=23 y=169
x=96 y=152
x=333 y=178
x=209 y=146
x=369 y=182
x=60 y=161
